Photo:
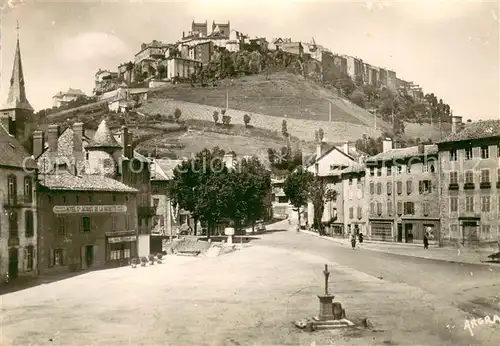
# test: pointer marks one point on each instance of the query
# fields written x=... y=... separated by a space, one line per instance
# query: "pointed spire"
x=103 y=138
x=16 y=98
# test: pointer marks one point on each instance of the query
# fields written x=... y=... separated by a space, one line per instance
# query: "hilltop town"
x=173 y=161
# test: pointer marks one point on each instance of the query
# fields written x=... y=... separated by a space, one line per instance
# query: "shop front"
x=413 y=230
x=381 y=229
x=120 y=248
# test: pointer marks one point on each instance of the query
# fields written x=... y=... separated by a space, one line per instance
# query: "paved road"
x=475 y=289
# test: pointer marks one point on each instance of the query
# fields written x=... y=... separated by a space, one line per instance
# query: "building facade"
x=355 y=209
x=403 y=194
x=470 y=181
x=182 y=68
x=18 y=216
x=62 y=98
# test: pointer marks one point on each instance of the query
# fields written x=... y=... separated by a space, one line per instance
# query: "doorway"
x=400 y=233
x=89 y=255
x=409 y=232
x=470 y=233
x=13 y=262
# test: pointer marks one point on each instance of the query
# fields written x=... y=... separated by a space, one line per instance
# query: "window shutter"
x=408 y=187
x=421 y=187
x=389 y=188
x=95 y=250
x=64 y=260
x=81 y=224
x=359 y=213
x=400 y=208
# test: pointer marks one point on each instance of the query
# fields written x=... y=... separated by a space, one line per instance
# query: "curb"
x=398 y=254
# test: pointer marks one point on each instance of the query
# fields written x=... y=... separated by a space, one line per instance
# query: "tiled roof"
x=328 y=147
x=402 y=153
x=476 y=130
x=13 y=153
x=67 y=181
x=354 y=168
x=103 y=138
x=64 y=151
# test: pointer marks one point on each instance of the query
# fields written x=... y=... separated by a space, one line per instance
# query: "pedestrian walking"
x=361 y=238
x=426 y=241
x=353 y=240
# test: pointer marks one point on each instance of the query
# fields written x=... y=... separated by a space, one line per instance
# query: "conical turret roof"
x=103 y=138
x=16 y=98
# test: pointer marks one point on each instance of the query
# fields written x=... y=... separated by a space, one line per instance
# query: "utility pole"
x=330 y=111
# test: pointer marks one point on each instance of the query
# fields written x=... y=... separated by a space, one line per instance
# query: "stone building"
x=18 y=217
x=165 y=222
x=403 y=194
x=470 y=182
x=355 y=208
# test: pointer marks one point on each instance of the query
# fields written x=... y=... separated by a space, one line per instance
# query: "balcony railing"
x=18 y=201
x=485 y=185
x=469 y=186
x=453 y=186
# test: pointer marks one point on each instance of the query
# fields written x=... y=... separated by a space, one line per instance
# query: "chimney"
x=77 y=139
x=38 y=143
x=421 y=149
x=386 y=145
x=346 y=148
x=319 y=149
x=456 y=124
x=53 y=137
x=129 y=152
x=124 y=138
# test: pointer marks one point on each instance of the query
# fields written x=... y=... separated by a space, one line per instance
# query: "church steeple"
x=17 y=93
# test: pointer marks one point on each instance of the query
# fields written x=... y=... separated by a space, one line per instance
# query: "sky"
x=449 y=47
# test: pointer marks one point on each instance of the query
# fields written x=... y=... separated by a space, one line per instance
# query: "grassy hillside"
x=282 y=94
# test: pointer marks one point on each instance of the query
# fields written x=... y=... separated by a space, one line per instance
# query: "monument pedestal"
x=325 y=307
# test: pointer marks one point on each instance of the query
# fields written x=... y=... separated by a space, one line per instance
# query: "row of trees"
x=215 y=194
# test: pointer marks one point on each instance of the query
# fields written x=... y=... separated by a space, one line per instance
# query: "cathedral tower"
x=17 y=115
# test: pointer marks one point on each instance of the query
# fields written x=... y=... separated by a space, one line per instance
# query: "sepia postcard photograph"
x=249 y=172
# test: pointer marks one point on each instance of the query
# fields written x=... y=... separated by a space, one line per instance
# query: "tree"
x=284 y=128
x=215 y=116
x=246 y=119
x=296 y=188
x=177 y=114
x=321 y=135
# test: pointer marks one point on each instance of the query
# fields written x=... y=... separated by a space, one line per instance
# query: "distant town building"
x=153 y=50
x=355 y=68
x=182 y=68
x=62 y=98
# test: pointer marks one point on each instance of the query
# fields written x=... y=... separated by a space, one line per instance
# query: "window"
x=485 y=176
x=409 y=208
x=425 y=167
x=399 y=187
x=485 y=152
x=400 y=208
x=350 y=183
x=379 y=188
x=372 y=171
x=115 y=254
x=12 y=188
x=58 y=257
x=408 y=168
x=485 y=232
x=409 y=185
x=453 y=178
x=28 y=223
x=114 y=198
x=425 y=186
x=360 y=213
x=114 y=222
x=28 y=190
x=453 y=155
x=156 y=201
x=453 y=204
x=126 y=253
x=351 y=213
x=389 y=171
x=86 y=224
x=389 y=208
x=379 y=208
x=399 y=169
x=425 y=207
x=468 y=154
x=61 y=225
x=372 y=188
x=162 y=221
x=13 y=227
x=372 y=208
x=389 y=188
x=379 y=172
x=30 y=252
x=469 y=204
x=485 y=204
x=469 y=177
